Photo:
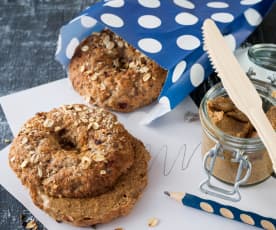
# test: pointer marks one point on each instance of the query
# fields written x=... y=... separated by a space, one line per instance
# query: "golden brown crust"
x=110 y=73
x=103 y=208
x=71 y=151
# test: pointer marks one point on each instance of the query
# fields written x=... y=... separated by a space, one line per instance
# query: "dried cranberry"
x=122 y=105
x=98 y=142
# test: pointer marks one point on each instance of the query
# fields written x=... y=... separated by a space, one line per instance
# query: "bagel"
x=111 y=74
x=73 y=151
x=103 y=208
x=80 y=164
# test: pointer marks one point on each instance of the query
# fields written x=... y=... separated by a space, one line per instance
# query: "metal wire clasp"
x=209 y=162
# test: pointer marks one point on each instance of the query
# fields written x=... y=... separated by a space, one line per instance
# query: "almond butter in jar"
x=232 y=151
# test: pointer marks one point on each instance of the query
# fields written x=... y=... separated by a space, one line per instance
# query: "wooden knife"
x=238 y=86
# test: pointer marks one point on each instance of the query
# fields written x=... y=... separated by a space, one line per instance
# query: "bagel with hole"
x=80 y=164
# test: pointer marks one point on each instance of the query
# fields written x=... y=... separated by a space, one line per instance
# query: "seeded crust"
x=73 y=151
x=103 y=208
x=110 y=73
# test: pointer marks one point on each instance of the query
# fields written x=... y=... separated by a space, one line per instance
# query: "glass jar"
x=263 y=55
x=234 y=160
x=259 y=61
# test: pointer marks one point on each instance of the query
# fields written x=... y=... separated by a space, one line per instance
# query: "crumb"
x=7 y=141
x=152 y=222
x=31 y=225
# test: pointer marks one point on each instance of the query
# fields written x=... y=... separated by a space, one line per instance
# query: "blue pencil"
x=226 y=211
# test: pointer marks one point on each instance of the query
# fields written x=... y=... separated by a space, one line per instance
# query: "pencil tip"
x=167 y=193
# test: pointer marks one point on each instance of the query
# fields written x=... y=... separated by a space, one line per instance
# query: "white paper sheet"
x=165 y=173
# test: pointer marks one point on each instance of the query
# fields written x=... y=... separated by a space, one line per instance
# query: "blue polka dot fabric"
x=168 y=32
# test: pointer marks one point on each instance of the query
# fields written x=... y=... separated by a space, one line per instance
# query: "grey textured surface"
x=28 y=34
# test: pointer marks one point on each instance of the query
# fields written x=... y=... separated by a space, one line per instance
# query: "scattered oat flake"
x=89 y=126
x=85 y=48
x=95 y=125
x=7 y=141
x=82 y=68
x=78 y=108
x=12 y=159
x=24 y=163
x=273 y=94
x=94 y=77
x=48 y=123
x=132 y=65
x=116 y=62
x=120 y=44
x=84 y=120
x=57 y=128
x=85 y=160
x=39 y=172
x=98 y=157
x=102 y=172
x=146 y=77
x=24 y=140
x=103 y=86
x=144 y=69
x=32 y=225
x=152 y=222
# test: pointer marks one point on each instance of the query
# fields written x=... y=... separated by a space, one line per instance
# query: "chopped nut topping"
x=102 y=172
x=48 y=123
x=85 y=48
x=31 y=225
x=146 y=77
x=24 y=141
x=24 y=163
x=153 y=222
x=98 y=157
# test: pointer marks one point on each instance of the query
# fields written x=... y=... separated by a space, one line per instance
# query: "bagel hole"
x=65 y=141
